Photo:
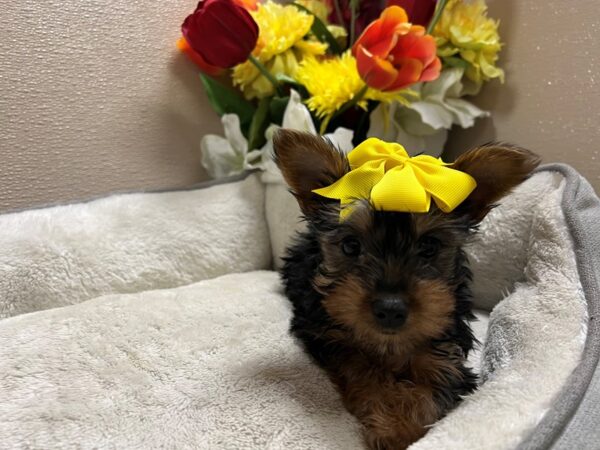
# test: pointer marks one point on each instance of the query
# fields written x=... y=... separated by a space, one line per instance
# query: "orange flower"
x=250 y=5
x=207 y=68
x=392 y=53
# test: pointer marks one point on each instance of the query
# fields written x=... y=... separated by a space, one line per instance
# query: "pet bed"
x=151 y=320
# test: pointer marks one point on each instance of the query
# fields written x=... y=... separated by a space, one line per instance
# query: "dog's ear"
x=497 y=169
x=308 y=162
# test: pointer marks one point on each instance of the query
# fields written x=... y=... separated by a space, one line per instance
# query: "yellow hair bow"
x=393 y=181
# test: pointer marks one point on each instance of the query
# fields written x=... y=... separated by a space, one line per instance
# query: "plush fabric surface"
x=129 y=243
x=536 y=333
x=572 y=422
x=210 y=365
x=283 y=217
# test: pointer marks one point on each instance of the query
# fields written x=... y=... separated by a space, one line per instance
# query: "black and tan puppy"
x=381 y=299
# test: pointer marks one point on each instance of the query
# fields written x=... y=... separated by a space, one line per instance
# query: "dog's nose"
x=390 y=312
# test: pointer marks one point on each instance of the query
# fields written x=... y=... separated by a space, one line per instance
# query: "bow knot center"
x=396 y=160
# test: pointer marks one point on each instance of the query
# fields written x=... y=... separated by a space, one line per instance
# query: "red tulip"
x=222 y=32
x=392 y=53
x=419 y=12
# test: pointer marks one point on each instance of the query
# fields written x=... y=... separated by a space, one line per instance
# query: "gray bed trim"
x=573 y=422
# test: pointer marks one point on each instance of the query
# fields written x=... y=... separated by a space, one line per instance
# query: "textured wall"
x=550 y=102
x=94 y=99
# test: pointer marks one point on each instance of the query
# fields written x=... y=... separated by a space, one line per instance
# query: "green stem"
x=353 y=10
x=436 y=15
x=359 y=130
x=345 y=107
x=338 y=12
x=263 y=70
x=324 y=125
x=349 y=104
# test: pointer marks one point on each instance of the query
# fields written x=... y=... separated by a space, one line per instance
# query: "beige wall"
x=94 y=98
x=550 y=102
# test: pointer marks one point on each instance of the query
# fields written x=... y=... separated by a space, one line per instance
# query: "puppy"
x=381 y=300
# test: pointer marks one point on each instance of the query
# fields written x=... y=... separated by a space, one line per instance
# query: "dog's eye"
x=429 y=247
x=351 y=246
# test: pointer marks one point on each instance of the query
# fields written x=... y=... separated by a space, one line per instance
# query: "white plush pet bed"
x=153 y=321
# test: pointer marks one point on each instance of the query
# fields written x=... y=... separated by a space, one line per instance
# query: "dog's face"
x=391 y=277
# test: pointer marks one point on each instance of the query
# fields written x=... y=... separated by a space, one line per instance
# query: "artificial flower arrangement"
x=397 y=70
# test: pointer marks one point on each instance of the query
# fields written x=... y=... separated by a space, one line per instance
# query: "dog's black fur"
x=397 y=382
x=311 y=323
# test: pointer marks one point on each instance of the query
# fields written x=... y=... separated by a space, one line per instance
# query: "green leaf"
x=277 y=108
x=225 y=100
x=437 y=14
x=298 y=87
x=321 y=32
x=353 y=17
x=260 y=121
x=265 y=73
x=453 y=61
x=283 y=78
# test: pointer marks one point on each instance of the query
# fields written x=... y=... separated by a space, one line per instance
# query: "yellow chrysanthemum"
x=332 y=82
x=464 y=30
x=281 y=46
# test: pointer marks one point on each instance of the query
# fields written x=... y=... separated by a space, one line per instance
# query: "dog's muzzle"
x=390 y=312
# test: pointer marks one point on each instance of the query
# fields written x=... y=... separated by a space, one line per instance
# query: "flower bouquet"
x=398 y=70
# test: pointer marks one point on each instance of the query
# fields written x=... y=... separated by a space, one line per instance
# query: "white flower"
x=422 y=126
x=226 y=156
x=296 y=117
x=229 y=155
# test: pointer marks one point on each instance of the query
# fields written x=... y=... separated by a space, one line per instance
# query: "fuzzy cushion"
x=525 y=269
x=129 y=243
x=211 y=365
